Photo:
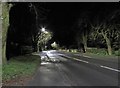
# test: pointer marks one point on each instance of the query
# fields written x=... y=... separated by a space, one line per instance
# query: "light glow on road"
x=44 y=63
x=50 y=54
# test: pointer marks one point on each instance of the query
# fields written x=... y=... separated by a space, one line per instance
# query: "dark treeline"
x=98 y=26
x=24 y=30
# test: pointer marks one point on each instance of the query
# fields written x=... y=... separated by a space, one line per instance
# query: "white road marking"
x=110 y=68
x=65 y=56
x=77 y=59
x=81 y=60
x=94 y=64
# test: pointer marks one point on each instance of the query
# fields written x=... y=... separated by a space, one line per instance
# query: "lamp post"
x=43 y=31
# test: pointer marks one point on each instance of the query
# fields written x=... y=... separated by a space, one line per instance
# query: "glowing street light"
x=43 y=29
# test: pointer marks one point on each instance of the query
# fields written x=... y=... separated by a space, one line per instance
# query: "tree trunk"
x=78 y=44
x=38 y=48
x=5 y=23
x=108 y=42
x=85 y=41
x=4 y=59
x=34 y=45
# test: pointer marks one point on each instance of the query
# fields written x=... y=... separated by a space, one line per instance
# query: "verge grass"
x=102 y=52
x=20 y=66
x=98 y=51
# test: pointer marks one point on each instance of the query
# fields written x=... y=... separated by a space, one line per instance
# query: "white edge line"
x=110 y=68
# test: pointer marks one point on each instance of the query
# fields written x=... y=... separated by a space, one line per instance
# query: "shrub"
x=117 y=53
x=97 y=51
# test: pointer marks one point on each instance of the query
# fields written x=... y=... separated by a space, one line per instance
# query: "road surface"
x=67 y=69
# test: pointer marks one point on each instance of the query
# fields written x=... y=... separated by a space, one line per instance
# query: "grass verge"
x=102 y=52
x=20 y=67
x=96 y=51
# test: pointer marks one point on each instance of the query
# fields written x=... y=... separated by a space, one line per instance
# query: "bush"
x=97 y=51
x=117 y=53
x=26 y=49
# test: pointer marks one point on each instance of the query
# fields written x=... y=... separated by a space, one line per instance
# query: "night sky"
x=62 y=19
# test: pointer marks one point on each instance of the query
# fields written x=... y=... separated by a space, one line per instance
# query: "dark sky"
x=62 y=19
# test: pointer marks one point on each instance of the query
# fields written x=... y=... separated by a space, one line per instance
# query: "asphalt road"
x=67 y=69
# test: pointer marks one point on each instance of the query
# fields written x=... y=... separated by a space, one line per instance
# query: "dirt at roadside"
x=19 y=81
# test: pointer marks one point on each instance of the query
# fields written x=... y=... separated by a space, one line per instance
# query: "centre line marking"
x=110 y=68
x=95 y=64
x=81 y=60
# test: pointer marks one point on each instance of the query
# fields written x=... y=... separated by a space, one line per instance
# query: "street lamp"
x=43 y=29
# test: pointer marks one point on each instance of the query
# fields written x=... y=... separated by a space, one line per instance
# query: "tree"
x=55 y=45
x=115 y=26
x=40 y=16
x=43 y=38
x=22 y=25
x=22 y=30
x=105 y=25
x=84 y=28
x=5 y=24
